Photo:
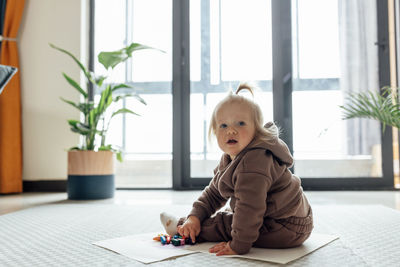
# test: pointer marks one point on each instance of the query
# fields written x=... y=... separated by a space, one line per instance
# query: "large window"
x=146 y=139
x=333 y=51
x=223 y=53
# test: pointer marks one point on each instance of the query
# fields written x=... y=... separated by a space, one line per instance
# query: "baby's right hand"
x=191 y=227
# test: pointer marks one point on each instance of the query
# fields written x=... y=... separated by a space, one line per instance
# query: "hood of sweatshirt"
x=277 y=147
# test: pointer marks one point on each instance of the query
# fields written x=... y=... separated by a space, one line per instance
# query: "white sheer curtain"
x=359 y=67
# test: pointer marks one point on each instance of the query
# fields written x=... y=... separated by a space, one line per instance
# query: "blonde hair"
x=265 y=134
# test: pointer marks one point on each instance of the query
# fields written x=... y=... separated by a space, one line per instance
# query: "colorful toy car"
x=176 y=240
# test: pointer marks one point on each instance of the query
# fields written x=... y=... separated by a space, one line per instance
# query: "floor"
x=15 y=202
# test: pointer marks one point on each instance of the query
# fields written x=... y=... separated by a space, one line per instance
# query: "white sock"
x=169 y=222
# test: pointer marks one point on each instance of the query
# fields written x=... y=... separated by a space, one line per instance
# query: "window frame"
x=282 y=99
x=281 y=86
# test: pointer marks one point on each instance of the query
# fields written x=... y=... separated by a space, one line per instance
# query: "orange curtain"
x=10 y=105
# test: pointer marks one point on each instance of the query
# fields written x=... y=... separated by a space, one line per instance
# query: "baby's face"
x=235 y=127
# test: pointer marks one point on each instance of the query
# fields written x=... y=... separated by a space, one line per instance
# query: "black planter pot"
x=85 y=187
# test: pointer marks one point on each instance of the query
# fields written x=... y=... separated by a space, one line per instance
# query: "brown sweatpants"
x=280 y=233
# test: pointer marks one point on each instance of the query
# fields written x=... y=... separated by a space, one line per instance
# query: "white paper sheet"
x=143 y=248
x=281 y=256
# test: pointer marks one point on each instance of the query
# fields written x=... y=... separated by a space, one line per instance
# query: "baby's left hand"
x=222 y=248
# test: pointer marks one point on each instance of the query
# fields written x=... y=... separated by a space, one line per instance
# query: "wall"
x=46 y=135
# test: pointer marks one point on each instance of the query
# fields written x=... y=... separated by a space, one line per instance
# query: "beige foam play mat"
x=62 y=235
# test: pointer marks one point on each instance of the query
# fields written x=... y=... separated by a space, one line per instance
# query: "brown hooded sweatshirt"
x=258 y=184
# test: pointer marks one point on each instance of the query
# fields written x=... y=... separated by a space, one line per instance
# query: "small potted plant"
x=90 y=165
x=380 y=106
x=383 y=107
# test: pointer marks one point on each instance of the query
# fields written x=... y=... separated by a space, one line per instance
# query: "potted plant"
x=373 y=105
x=90 y=165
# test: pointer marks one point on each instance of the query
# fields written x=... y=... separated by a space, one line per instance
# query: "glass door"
x=145 y=139
x=305 y=56
x=230 y=42
x=334 y=57
x=335 y=53
x=328 y=50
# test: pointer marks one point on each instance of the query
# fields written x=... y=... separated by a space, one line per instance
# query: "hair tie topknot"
x=244 y=86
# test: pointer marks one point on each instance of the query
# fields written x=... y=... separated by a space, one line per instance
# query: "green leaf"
x=119 y=156
x=136 y=46
x=75 y=85
x=78 y=127
x=92 y=116
x=120 y=86
x=109 y=100
x=71 y=103
x=85 y=71
x=99 y=80
x=141 y=100
x=92 y=77
x=129 y=94
x=73 y=122
x=85 y=108
x=105 y=148
x=374 y=105
x=112 y=59
x=105 y=99
x=80 y=131
x=124 y=110
x=118 y=98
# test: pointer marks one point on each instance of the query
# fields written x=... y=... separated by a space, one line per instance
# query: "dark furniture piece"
x=6 y=73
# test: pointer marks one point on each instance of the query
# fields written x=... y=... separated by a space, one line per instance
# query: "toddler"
x=268 y=208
